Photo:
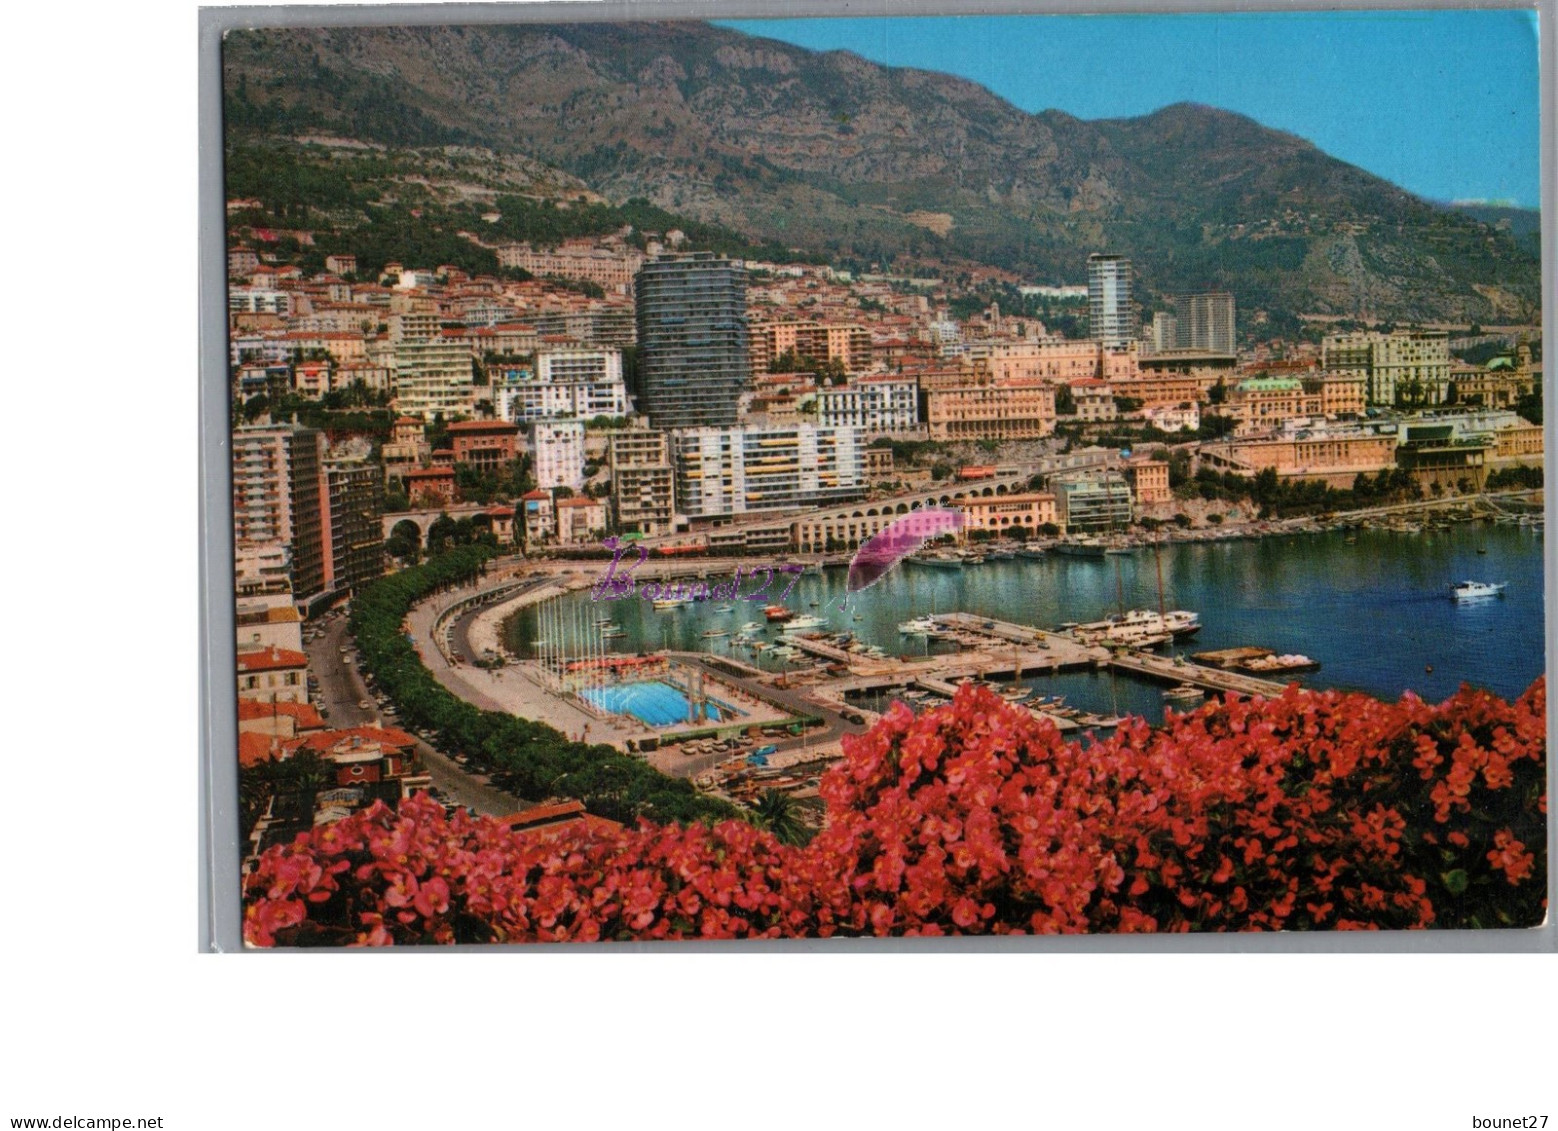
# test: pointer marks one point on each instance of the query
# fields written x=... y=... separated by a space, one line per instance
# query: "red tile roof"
x=254 y=748
x=304 y=716
x=271 y=659
x=384 y=736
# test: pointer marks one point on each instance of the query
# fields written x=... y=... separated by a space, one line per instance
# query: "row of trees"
x=533 y=759
x=1276 y=496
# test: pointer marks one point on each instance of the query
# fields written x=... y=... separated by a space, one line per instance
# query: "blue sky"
x=1445 y=104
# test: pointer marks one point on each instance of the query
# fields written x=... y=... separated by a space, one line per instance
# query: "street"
x=342 y=688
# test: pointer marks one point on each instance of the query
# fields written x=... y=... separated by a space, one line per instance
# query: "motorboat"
x=778 y=613
x=710 y=633
x=1140 y=626
x=805 y=622
x=668 y=603
x=1472 y=590
x=918 y=626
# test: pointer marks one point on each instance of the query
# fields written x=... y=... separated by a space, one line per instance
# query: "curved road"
x=342 y=687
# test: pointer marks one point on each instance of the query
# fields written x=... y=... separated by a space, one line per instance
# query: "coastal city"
x=778 y=412
x=553 y=520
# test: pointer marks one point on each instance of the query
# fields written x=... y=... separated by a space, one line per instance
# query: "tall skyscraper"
x=692 y=340
x=1109 y=307
x=356 y=493
x=279 y=498
x=1206 y=321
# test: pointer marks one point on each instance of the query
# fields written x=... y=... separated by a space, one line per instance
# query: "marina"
x=1359 y=608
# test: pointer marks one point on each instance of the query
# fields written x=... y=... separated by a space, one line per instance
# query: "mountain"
x=834 y=154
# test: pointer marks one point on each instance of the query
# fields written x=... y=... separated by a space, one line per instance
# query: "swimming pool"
x=654 y=702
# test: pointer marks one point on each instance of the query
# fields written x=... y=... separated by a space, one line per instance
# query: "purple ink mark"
x=897 y=540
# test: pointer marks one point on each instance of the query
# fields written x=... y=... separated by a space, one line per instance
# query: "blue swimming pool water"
x=653 y=702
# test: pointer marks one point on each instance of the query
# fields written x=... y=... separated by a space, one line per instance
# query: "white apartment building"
x=432 y=373
x=581 y=383
x=874 y=406
x=1410 y=365
x=558 y=449
x=258 y=300
x=733 y=471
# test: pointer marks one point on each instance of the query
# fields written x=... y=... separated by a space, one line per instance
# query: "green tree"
x=405 y=542
x=776 y=812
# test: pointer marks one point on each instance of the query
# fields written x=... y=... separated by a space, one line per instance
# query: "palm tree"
x=775 y=811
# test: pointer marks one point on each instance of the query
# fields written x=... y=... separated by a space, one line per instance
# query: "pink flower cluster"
x=1308 y=811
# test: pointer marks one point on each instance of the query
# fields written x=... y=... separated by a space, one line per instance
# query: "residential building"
x=1054 y=359
x=1149 y=479
x=433 y=373
x=1262 y=404
x=1111 y=315
x=341 y=263
x=642 y=482
x=1335 y=456
x=407 y=448
x=430 y=486
x=977 y=410
x=845 y=342
x=692 y=339
x=484 y=444
x=273 y=673
x=580 y=520
x=1092 y=501
x=1184 y=417
x=582 y=383
x=365 y=754
x=732 y=471
x=356 y=540
x=1204 y=322
x=1409 y=367
x=259 y=625
x=557 y=447
x=1003 y=513
x=607 y=267
x=539 y=515
x=258 y=300
x=873 y=405
x=279 y=496
x=1094 y=400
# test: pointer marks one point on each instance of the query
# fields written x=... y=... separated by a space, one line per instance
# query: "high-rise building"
x=1410 y=366
x=582 y=383
x=1206 y=321
x=356 y=493
x=433 y=373
x=729 y=471
x=279 y=497
x=1112 y=317
x=692 y=340
x=876 y=405
x=642 y=482
x=559 y=454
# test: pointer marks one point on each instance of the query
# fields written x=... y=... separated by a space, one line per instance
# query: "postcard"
x=881 y=477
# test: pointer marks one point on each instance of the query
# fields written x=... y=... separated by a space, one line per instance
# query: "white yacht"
x=1471 y=590
x=918 y=626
